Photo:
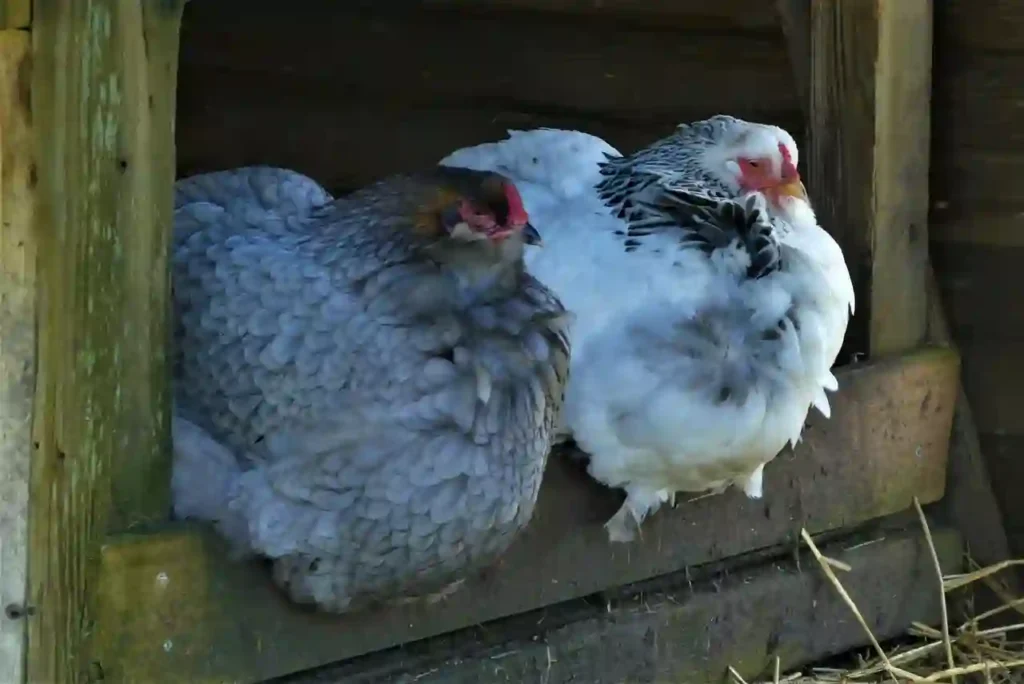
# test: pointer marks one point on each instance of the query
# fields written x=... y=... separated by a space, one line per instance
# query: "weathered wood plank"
x=795 y=17
x=993 y=374
x=15 y=14
x=869 y=157
x=174 y=607
x=978 y=224
x=980 y=288
x=1005 y=456
x=994 y=25
x=102 y=106
x=987 y=510
x=17 y=342
x=547 y=62
x=1004 y=231
x=970 y=499
x=978 y=128
x=727 y=14
x=686 y=632
x=227 y=120
x=977 y=98
x=967 y=182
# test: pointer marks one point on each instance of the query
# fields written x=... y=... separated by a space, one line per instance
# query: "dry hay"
x=963 y=654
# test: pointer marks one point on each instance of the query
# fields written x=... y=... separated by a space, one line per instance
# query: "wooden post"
x=17 y=343
x=869 y=112
x=15 y=14
x=102 y=91
x=969 y=499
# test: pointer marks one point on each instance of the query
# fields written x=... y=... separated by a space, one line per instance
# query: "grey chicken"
x=365 y=387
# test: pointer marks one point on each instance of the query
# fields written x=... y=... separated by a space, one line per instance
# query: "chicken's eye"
x=753 y=163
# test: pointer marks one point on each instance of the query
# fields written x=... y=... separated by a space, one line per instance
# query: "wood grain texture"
x=17 y=342
x=977 y=98
x=1003 y=231
x=970 y=500
x=869 y=157
x=448 y=58
x=980 y=288
x=244 y=99
x=969 y=182
x=680 y=631
x=175 y=608
x=1005 y=454
x=978 y=141
x=978 y=117
x=977 y=222
x=795 y=17
x=15 y=14
x=992 y=25
x=226 y=121
x=993 y=374
x=725 y=14
x=103 y=104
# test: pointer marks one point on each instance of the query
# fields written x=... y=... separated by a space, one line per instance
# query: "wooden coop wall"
x=347 y=94
x=977 y=222
x=350 y=92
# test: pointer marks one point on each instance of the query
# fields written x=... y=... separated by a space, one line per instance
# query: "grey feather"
x=389 y=406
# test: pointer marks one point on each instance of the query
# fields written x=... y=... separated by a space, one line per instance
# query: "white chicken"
x=709 y=305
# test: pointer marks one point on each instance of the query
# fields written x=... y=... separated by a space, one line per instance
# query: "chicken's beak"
x=794 y=188
x=531 y=236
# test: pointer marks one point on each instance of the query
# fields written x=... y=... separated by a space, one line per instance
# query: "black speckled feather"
x=665 y=187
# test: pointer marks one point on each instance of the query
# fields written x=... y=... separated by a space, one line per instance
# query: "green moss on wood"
x=15 y=14
x=102 y=94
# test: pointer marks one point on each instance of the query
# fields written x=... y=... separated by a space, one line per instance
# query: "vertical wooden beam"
x=15 y=14
x=17 y=343
x=970 y=500
x=103 y=87
x=870 y=102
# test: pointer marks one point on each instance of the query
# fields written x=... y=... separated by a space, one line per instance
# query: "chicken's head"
x=471 y=206
x=752 y=157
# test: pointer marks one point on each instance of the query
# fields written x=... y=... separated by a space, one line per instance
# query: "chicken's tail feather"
x=204 y=479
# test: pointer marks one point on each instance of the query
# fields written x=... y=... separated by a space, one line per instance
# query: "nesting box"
x=103 y=103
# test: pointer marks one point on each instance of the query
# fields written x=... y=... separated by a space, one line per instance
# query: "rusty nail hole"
x=15 y=611
x=61 y=455
x=123 y=164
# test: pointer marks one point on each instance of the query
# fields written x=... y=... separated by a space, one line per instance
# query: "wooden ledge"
x=689 y=632
x=171 y=607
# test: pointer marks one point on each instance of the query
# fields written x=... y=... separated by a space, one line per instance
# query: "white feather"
x=643 y=398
